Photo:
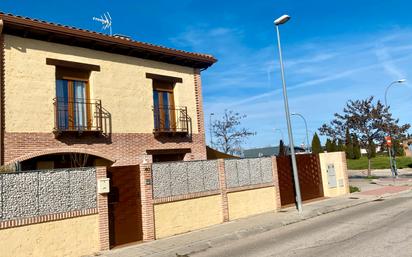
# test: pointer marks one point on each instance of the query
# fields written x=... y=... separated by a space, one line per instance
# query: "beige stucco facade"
x=338 y=159
x=121 y=85
x=187 y=215
x=251 y=202
x=69 y=238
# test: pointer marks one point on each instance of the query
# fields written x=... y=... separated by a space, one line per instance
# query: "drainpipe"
x=2 y=125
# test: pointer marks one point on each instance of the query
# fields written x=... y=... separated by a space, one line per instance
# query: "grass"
x=353 y=189
x=379 y=162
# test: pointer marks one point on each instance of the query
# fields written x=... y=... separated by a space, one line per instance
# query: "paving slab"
x=387 y=190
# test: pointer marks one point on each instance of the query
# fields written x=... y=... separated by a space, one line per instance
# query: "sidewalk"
x=200 y=240
x=407 y=172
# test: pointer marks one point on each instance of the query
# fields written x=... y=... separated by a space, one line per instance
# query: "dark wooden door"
x=310 y=178
x=125 y=212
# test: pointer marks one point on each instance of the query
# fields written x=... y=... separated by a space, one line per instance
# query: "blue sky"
x=333 y=51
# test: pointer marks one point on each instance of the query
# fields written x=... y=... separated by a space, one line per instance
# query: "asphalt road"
x=381 y=228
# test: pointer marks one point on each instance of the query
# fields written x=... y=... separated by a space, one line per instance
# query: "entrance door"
x=125 y=212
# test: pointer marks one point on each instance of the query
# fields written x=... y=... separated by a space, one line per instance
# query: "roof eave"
x=30 y=28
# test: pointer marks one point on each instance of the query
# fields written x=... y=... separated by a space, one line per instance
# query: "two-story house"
x=76 y=97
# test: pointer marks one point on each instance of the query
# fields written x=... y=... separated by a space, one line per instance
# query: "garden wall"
x=49 y=213
x=193 y=195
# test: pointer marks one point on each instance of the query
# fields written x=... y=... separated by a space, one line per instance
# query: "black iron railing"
x=171 y=119
x=81 y=115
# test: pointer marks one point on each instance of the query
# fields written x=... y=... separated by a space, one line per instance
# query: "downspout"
x=2 y=123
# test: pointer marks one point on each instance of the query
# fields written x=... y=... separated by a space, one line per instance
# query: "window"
x=164 y=107
x=72 y=99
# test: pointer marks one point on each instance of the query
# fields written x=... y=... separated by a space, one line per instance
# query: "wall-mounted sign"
x=103 y=186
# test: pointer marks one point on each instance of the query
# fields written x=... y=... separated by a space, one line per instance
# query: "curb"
x=203 y=245
x=392 y=183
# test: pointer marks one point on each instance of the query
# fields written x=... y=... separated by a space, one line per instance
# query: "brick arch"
x=61 y=150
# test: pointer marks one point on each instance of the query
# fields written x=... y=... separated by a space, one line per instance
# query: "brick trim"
x=61 y=150
x=223 y=189
x=185 y=197
x=124 y=148
x=199 y=101
x=275 y=177
x=46 y=218
x=2 y=107
x=249 y=187
x=146 y=192
x=103 y=209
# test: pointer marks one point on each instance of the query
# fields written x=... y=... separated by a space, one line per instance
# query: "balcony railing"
x=171 y=120
x=81 y=115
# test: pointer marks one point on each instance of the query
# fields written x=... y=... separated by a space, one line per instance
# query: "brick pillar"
x=223 y=189
x=276 y=182
x=200 y=151
x=103 y=210
x=146 y=189
x=2 y=97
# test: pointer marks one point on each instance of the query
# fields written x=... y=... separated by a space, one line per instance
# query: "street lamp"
x=306 y=127
x=282 y=20
x=392 y=160
x=210 y=129
x=400 y=81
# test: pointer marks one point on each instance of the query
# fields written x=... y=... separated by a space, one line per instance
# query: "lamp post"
x=392 y=160
x=306 y=127
x=210 y=129
x=282 y=20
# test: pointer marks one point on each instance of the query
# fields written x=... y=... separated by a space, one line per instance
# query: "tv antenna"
x=106 y=21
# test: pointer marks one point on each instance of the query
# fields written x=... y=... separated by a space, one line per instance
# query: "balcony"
x=171 y=120
x=81 y=116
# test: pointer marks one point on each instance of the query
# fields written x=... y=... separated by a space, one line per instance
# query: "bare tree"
x=78 y=160
x=228 y=133
x=369 y=121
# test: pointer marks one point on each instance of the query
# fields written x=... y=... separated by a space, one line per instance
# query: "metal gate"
x=125 y=212
x=310 y=177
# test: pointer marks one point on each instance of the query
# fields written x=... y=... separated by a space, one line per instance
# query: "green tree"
x=370 y=120
x=397 y=148
x=372 y=150
x=334 y=145
x=282 y=149
x=316 y=146
x=329 y=146
x=349 y=145
x=356 y=147
x=340 y=146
